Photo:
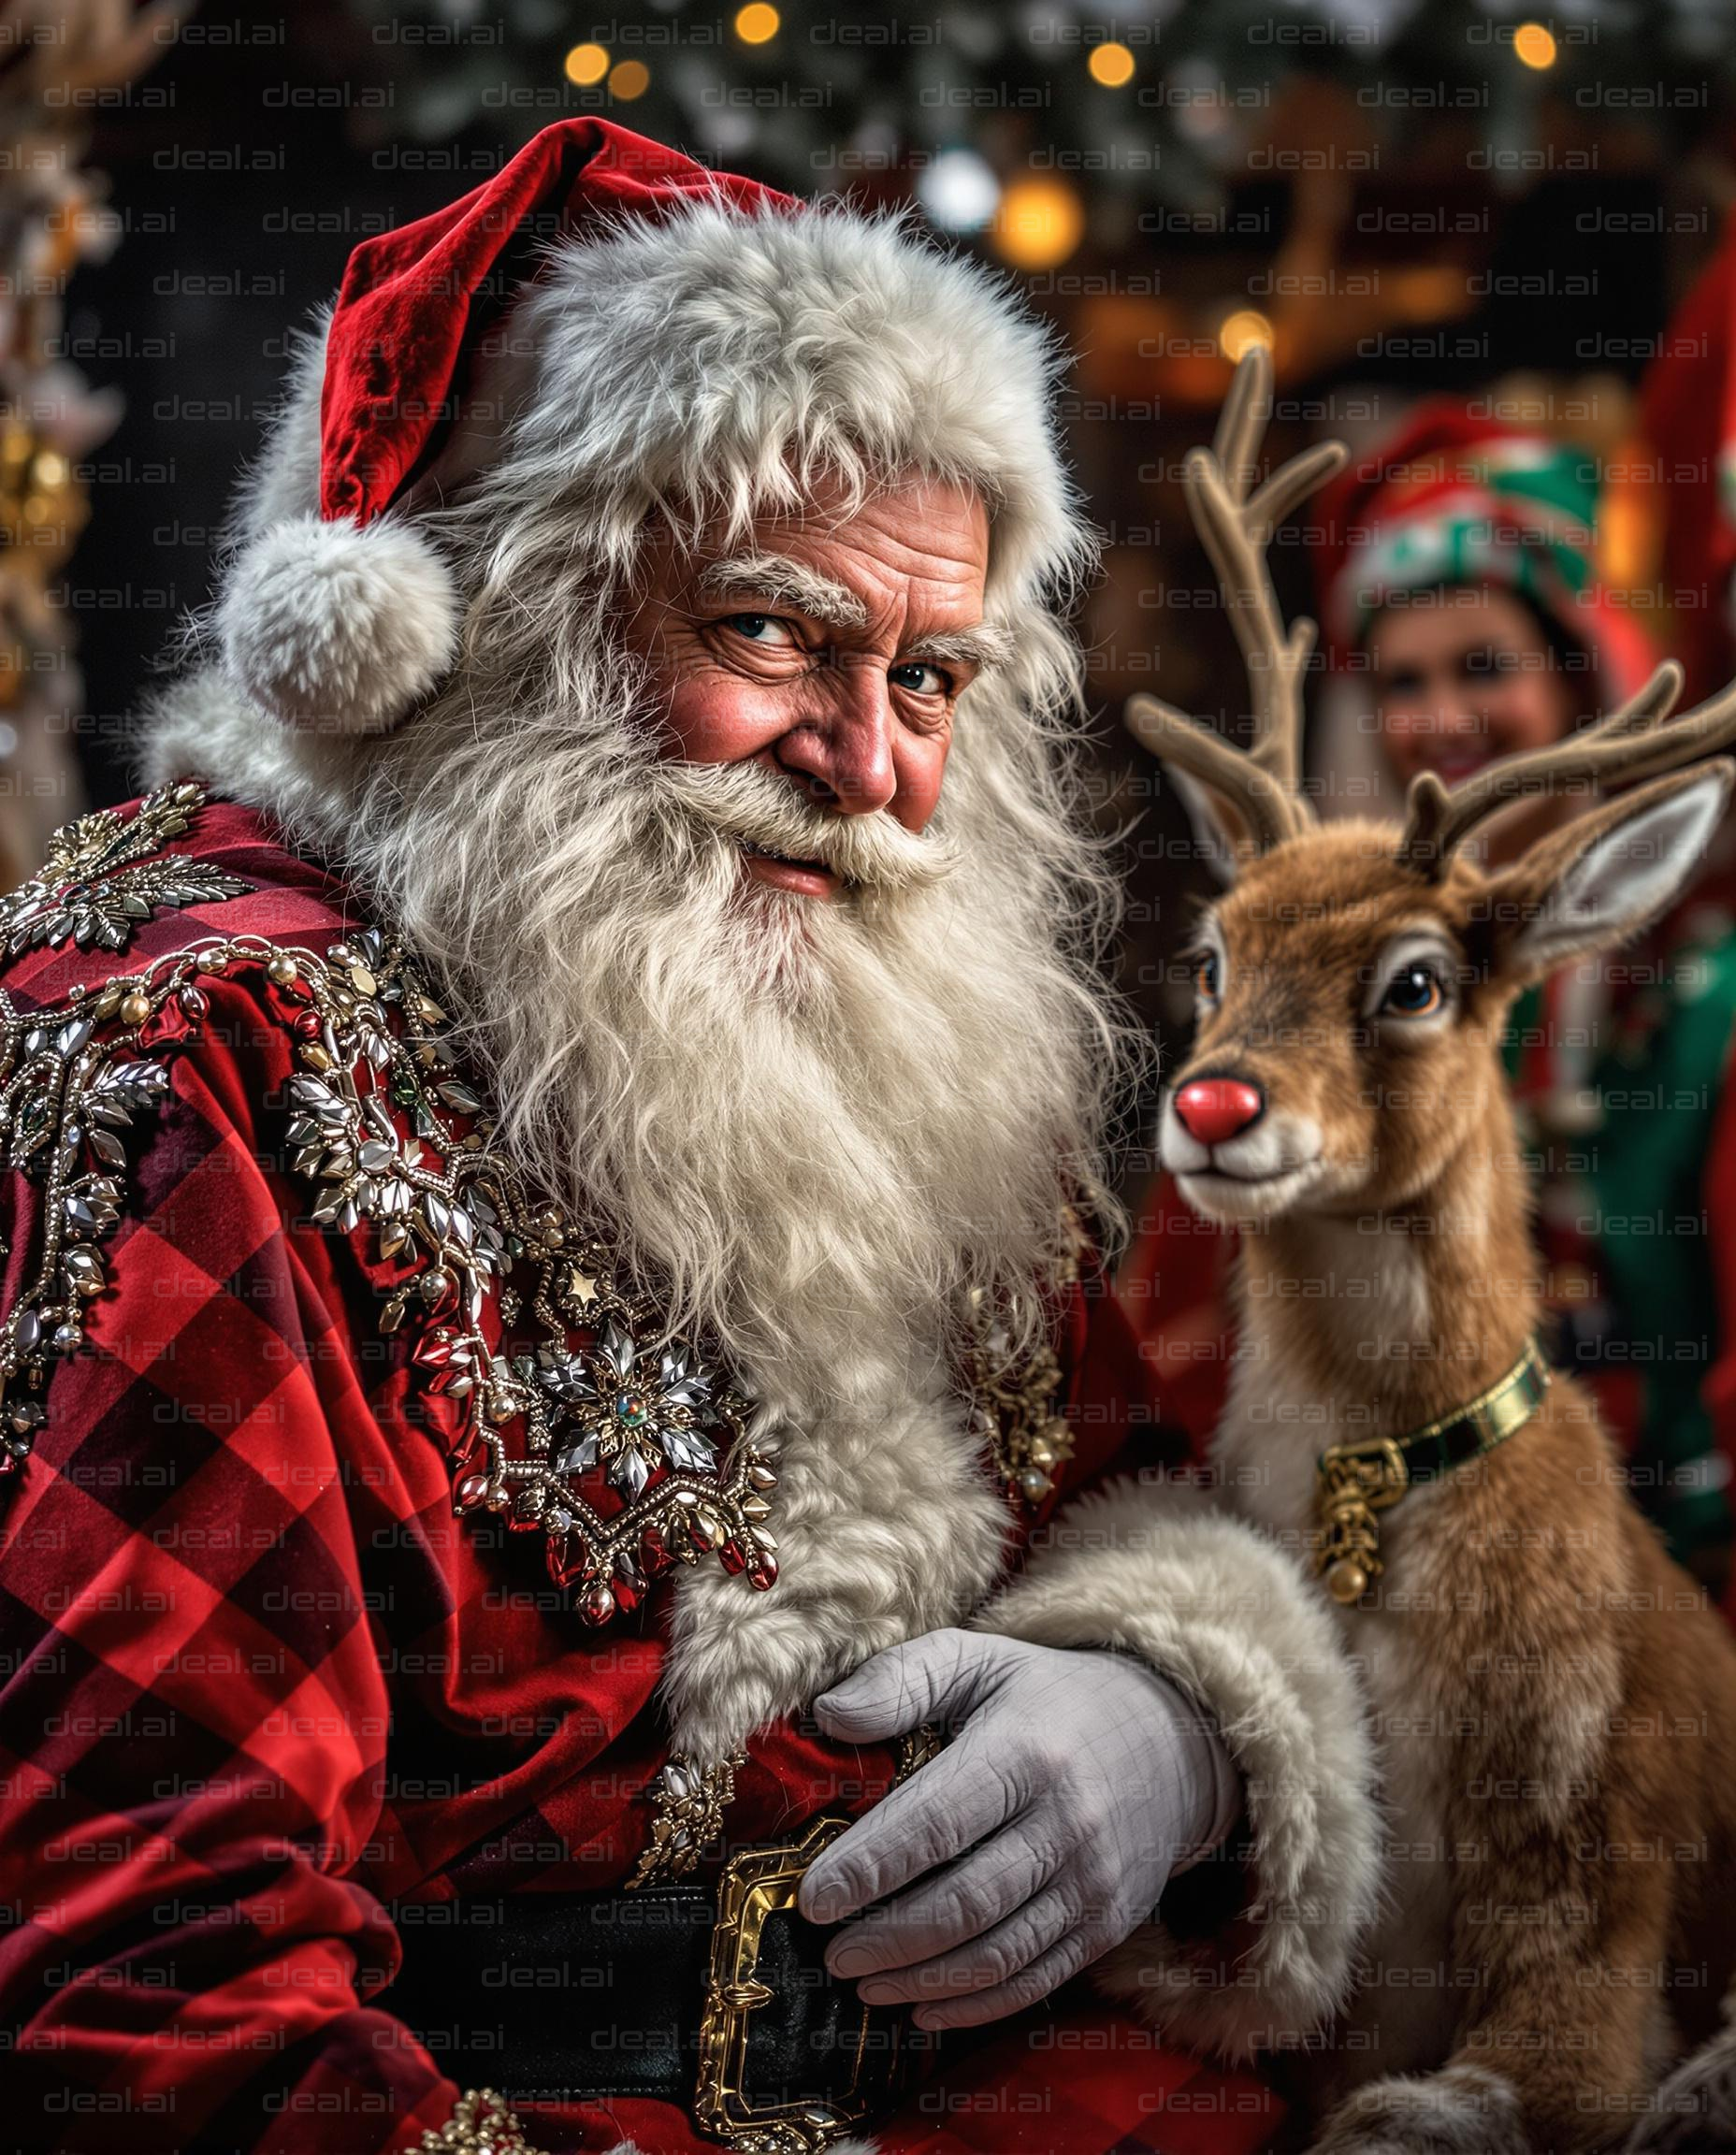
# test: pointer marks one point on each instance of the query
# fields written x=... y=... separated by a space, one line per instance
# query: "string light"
x=1039 y=223
x=756 y=24
x=585 y=64
x=959 y=190
x=630 y=80
x=1111 y=65
x=1242 y=331
x=1534 y=46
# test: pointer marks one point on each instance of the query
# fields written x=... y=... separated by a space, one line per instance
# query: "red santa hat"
x=657 y=332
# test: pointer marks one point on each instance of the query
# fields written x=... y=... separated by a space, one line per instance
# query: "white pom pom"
x=339 y=627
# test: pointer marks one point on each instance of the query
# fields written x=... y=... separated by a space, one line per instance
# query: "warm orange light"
x=756 y=24
x=1534 y=46
x=1241 y=331
x=1111 y=65
x=1039 y=223
x=586 y=63
x=630 y=80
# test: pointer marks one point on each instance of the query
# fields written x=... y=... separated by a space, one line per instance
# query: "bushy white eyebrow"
x=782 y=582
x=983 y=646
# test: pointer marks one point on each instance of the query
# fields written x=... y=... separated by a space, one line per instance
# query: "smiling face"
x=830 y=649
x=1350 y=1001
x=1463 y=677
x=1343 y=1049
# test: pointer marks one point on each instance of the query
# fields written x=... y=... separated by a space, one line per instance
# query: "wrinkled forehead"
x=911 y=518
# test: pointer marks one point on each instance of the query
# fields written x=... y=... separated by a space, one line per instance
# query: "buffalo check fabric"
x=266 y=1700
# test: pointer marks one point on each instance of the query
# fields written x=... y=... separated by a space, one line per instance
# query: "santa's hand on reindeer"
x=1077 y=1784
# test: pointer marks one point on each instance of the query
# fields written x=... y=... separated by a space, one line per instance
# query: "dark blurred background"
x=1398 y=198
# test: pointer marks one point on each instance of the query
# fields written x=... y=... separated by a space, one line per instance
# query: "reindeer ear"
x=1220 y=831
x=1600 y=880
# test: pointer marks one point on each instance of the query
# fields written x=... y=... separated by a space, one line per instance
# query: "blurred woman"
x=1465 y=622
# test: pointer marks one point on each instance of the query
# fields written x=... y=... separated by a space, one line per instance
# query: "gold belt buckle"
x=758 y=1883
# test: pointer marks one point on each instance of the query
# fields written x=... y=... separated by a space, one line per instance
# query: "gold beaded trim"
x=653 y=1428
x=627 y=1457
x=1014 y=1413
x=481 y=2125
x=688 y=1805
x=98 y=884
x=688 y=1802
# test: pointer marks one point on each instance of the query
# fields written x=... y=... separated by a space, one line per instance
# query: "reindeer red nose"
x=1215 y=1109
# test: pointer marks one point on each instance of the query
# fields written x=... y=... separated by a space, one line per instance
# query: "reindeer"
x=1554 y=1702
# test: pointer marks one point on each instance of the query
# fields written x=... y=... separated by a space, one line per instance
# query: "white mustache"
x=749 y=804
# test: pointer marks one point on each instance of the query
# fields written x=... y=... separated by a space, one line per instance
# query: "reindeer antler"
x=1638 y=740
x=1236 y=527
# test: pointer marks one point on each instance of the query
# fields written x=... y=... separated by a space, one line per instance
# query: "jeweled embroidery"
x=687 y=1803
x=628 y=1449
x=66 y=1094
x=98 y=884
x=1014 y=1414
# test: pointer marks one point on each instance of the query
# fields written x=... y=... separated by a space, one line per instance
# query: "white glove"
x=1078 y=1782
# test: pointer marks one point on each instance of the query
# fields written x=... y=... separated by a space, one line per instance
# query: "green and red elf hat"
x=1455 y=498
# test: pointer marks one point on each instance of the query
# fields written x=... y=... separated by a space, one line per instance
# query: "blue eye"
x=1416 y=992
x=938 y=683
x=760 y=628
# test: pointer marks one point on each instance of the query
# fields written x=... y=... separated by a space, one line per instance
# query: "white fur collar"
x=888 y=1528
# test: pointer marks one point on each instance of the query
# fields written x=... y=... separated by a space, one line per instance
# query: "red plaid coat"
x=266 y=1700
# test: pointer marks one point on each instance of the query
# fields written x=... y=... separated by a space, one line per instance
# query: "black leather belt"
x=719 y=2001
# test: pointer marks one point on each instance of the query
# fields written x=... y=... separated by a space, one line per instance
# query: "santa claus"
x=592 y=1048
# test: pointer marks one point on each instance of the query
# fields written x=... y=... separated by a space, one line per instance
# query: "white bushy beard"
x=816 y=1126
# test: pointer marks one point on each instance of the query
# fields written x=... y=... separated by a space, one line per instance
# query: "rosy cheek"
x=1522 y=716
x=718 y=717
x=1400 y=736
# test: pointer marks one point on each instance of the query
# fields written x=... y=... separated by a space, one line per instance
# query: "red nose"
x=1215 y=1109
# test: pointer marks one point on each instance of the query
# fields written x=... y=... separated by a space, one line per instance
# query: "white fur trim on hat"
x=333 y=625
x=723 y=361
x=712 y=359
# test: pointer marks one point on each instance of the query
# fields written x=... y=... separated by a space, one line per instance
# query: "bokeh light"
x=959 y=191
x=586 y=63
x=1111 y=65
x=1242 y=331
x=756 y=24
x=1039 y=223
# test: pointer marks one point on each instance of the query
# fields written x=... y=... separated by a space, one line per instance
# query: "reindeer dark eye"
x=1415 y=991
x=1203 y=970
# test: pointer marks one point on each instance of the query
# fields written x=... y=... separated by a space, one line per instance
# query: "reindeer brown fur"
x=1555 y=1704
